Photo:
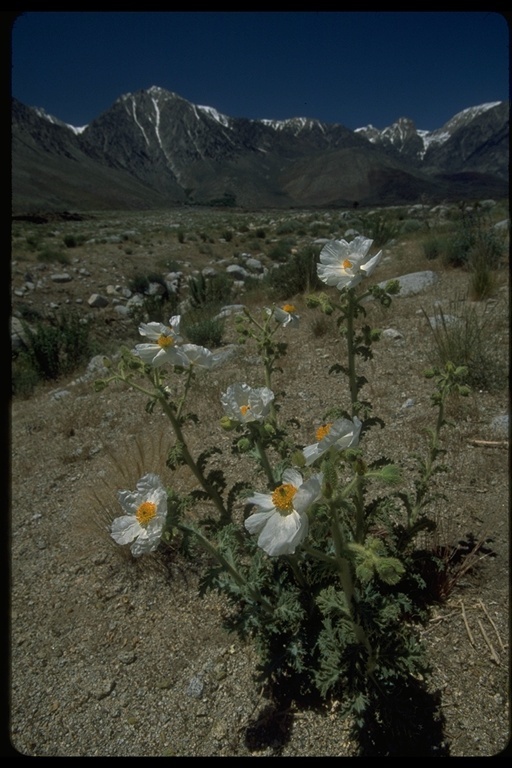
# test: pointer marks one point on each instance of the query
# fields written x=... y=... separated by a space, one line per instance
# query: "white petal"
x=281 y=534
x=360 y=245
x=311 y=453
x=125 y=529
x=256 y=522
x=308 y=493
x=334 y=252
x=152 y=330
x=262 y=500
x=292 y=476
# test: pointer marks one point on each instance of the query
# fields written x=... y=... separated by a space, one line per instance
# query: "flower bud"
x=227 y=423
x=298 y=459
x=244 y=445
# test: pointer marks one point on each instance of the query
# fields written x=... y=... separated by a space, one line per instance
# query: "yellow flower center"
x=165 y=341
x=323 y=431
x=347 y=264
x=244 y=409
x=282 y=497
x=289 y=308
x=146 y=512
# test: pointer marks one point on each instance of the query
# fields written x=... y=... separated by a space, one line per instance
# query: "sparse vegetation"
x=55 y=346
x=463 y=336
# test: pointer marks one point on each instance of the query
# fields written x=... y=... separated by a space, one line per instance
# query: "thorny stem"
x=262 y=455
x=173 y=418
x=347 y=584
x=351 y=352
x=224 y=562
x=210 y=490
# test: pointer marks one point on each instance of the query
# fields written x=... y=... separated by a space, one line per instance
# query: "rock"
x=97 y=301
x=237 y=272
x=230 y=309
x=392 y=333
x=61 y=277
x=254 y=265
x=414 y=282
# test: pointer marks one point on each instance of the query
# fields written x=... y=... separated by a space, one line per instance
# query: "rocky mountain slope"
x=153 y=148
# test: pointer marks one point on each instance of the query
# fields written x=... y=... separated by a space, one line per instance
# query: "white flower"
x=197 y=356
x=345 y=264
x=242 y=403
x=285 y=315
x=146 y=510
x=342 y=434
x=282 y=522
x=163 y=347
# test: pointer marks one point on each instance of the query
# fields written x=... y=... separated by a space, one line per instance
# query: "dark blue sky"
x=346 y=67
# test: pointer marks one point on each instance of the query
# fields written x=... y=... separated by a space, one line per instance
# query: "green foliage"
x=482 y=282
x=297 y=275
x=24 y=376
x=72 y=241
x=211 y=292
x=54 y=346
x=463 y=336
x=380 y=227
x=48 y=255
x=474 y=238
x=201 y=328
x=433 y=247
x=281 y=250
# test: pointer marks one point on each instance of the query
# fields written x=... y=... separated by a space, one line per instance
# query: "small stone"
x=127 y=657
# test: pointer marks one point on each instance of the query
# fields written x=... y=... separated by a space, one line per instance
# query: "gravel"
x=116 y=657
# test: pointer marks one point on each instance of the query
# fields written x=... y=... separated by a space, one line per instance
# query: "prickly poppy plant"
x=315 y=553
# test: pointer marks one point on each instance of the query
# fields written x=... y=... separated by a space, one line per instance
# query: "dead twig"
x=482 y=606
x=494 y=655
x=490 y=443
x=466 y=624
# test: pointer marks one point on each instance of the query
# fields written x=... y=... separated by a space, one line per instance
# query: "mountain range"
x=154 y=149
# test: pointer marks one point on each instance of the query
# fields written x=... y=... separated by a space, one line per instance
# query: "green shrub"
x=48 y=255
x=482 y=281
x=463 y=336
x=24 y=376
x=140 y=283
x=280 y=251
x=287 y=227
x=201 y=328
x=56 y=345
x=210 y=291
x=432 y=248
x=474 y=234
x=410 y=225
x=298 y=275
x=381 y=228
x=70 y=241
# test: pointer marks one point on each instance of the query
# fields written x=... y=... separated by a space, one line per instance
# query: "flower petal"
x=292 y=476
x=125 y=529
x=282 y=533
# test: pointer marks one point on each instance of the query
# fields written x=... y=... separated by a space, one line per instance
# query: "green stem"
x=262 y=454
x=181 y=402
x=347 y=584
x=351 y=353
x=224 y=562
x=294 y=563
x=210 y=490
x=359 y=502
